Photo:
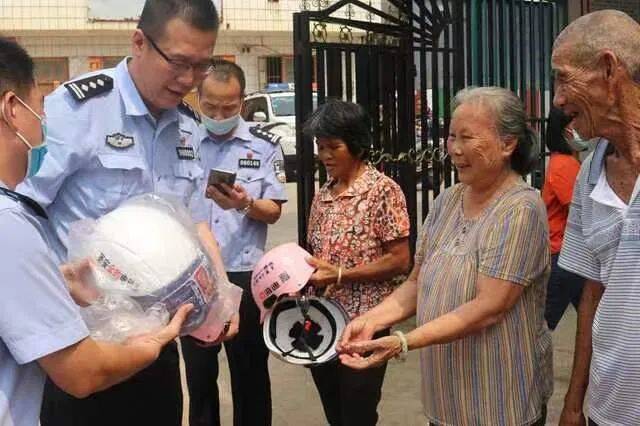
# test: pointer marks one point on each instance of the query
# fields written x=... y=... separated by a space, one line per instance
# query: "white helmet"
x=304 y=330
x=144 y=249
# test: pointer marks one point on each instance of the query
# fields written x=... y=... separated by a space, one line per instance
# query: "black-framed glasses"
x=181 y=67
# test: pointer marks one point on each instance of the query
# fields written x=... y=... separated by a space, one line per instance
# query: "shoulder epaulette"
x=259 y=132
x=187 y=109
x=86 y=88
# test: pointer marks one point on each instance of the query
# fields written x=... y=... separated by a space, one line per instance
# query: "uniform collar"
x=240 y=132
x=3 y=185
x=597 y=161
x=362 y=185
x=133 y=103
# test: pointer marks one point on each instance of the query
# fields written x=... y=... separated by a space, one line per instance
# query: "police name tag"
x=186 y=152
x=248 y=163
x=119 y=141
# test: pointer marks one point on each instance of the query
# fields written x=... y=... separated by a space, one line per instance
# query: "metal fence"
x=403 y=60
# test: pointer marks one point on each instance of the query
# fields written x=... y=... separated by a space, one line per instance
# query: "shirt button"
x=216 y=221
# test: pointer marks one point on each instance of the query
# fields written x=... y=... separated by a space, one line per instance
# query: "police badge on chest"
x=186 y=152
x=248 y=163
x=119 y=141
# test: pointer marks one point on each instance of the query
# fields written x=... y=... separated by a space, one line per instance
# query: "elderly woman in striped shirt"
x=478 y=284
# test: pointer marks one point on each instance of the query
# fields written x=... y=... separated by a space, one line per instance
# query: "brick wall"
x=632 y=7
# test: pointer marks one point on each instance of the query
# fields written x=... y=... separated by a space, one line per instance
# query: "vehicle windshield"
x=284 y=106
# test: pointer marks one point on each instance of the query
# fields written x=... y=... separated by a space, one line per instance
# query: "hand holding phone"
x=219 y=176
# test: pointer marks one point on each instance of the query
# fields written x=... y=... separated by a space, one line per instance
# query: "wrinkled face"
x=476 y=150
x=336 y=158
x=581 y=93
x=163 y=82
x=220 y=99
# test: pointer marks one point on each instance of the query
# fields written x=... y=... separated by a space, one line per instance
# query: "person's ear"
x=8 y=109
x=138 y=41
x=509 y=145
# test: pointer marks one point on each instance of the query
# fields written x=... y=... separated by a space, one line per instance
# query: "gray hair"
x=590 y=34
x=510 y=120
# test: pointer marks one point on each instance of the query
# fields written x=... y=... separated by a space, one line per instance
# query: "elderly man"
x=597 y=70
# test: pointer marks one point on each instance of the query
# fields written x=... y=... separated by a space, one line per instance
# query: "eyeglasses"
x=180 y=67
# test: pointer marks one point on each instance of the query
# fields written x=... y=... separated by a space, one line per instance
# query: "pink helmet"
x=281 y=271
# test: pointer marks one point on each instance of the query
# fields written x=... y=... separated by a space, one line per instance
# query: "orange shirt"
x=556 y=194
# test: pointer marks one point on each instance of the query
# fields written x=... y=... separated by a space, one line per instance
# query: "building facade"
x=65 y=40
x=68 y=37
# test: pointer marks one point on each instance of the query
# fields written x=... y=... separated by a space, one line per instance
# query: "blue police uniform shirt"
x=107 y=148
x=37 y=315
x=259 y=168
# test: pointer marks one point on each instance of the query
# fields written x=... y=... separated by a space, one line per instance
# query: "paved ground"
x=295 y=401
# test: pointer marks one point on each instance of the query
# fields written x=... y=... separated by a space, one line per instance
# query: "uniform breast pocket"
x=251 y=182
x=117 y=178
x=182 y=182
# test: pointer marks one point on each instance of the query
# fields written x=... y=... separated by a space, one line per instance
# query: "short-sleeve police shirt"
x=105 y=147
x=37 y=315
x=258 y=163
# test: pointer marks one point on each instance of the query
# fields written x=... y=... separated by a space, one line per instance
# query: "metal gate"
x=403 y=60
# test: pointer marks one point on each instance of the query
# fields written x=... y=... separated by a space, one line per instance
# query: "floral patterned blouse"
x=350 y=229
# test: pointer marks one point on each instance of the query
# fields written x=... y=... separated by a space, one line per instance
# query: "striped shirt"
x=501 y=376
x=602 y=243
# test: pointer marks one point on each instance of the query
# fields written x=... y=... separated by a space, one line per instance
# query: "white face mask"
x=577 y=143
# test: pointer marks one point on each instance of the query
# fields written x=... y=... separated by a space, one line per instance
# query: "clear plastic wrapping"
x=146 y=261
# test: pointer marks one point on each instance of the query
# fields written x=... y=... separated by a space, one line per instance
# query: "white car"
x=276 y=110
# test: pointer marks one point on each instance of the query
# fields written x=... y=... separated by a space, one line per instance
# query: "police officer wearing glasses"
x=41 y=330
x=115 y=134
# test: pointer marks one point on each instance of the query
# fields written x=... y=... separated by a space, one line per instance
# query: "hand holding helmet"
x=147 y=262
x=298 y=329
x=325 y=273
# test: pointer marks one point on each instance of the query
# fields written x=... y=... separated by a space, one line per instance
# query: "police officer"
x=239 y=216
x=118 y=133
x=41 y=331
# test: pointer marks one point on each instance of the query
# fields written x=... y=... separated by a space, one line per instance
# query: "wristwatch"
x=246 y=209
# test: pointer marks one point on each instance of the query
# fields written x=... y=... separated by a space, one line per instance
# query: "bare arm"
x=236 y=197
x=574 y=399
x=267 y=211
x=396 y=260
x=90 y=366
x=494 y=299
x=211 y=246
x=398 y=306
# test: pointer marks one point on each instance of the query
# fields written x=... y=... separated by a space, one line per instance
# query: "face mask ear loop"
x=18 y=134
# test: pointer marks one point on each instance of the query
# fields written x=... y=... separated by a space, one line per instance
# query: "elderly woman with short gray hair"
x=479 y=280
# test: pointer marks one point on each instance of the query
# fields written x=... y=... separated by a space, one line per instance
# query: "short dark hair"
x=349 y=122
x=556 y=140
x=200 y=14
x=16 y=68
x=223 y=70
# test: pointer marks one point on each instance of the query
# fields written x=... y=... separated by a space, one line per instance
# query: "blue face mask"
x=35 y=156
x=220 y=127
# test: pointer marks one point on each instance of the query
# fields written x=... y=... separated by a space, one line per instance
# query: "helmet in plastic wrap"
x=145 y=251
x=304 y=330
x=281 y=271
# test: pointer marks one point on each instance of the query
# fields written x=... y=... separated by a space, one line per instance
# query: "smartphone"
x=218 y=176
